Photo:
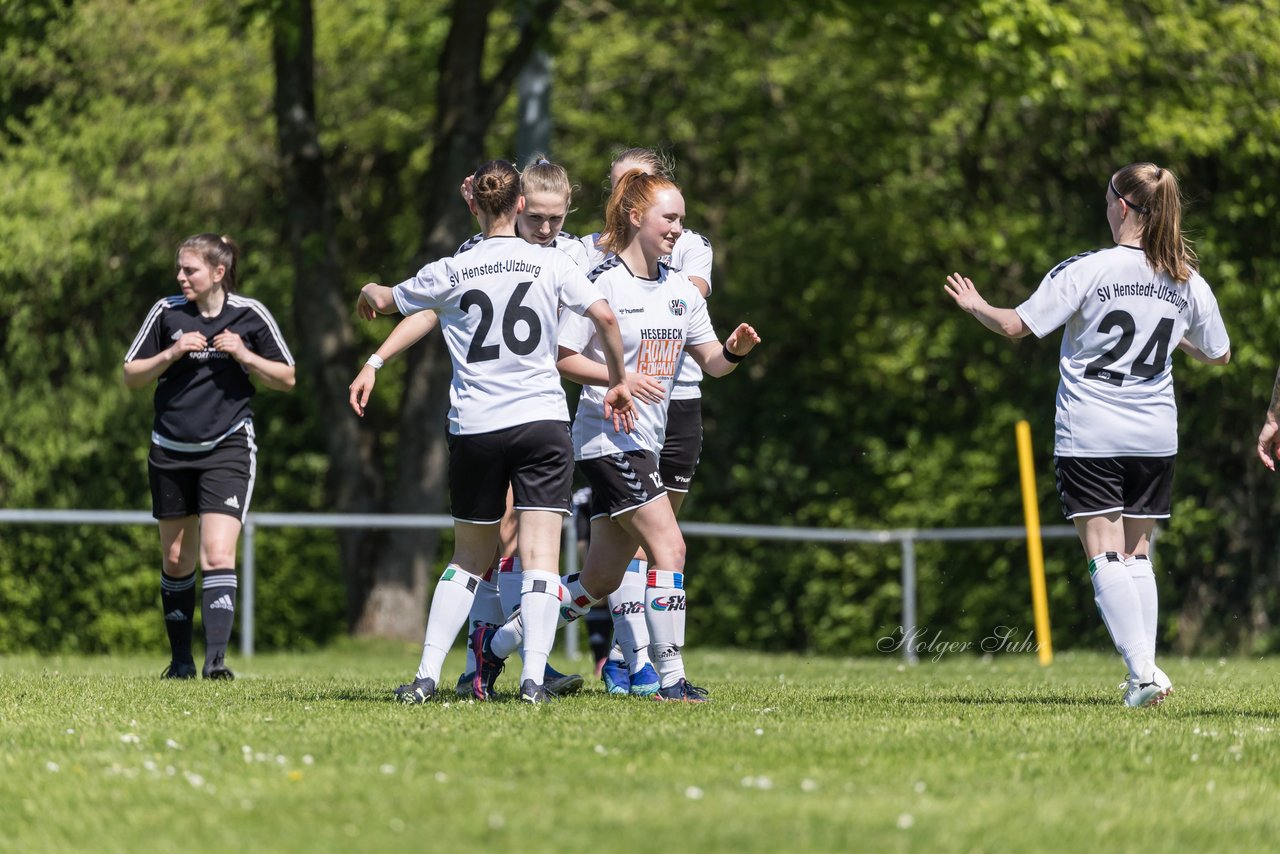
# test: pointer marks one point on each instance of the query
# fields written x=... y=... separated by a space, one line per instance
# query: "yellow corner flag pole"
x=1035 y=549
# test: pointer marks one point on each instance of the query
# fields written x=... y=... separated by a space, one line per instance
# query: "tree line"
x=842 y=159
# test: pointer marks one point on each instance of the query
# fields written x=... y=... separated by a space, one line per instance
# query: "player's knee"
x=673 y=556
x=218 y=558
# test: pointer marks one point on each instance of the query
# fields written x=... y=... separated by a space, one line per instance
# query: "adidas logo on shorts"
x=223 y=602
x=233 y=502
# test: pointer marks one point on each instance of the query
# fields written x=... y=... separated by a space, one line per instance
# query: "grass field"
x=795 y=754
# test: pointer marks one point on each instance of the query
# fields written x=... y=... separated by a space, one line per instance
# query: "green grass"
x=306 y=752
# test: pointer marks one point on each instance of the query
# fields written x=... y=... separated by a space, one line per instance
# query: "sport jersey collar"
x=655 y=280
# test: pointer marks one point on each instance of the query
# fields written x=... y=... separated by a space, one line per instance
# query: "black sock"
x=599 y=631
x=218 y=611
x=178 y=601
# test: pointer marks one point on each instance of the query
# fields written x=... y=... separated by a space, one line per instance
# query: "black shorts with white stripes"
x=219 y=480
x=1137 y=487
x=683 y=444
x=535 y=459
x=622 y=482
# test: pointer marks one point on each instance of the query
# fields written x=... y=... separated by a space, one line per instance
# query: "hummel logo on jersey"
x=631 y=311
x=223 y=602
x=175 y=616
x=233 y=502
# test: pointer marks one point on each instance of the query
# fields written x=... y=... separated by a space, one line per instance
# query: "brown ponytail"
x=1153 y=194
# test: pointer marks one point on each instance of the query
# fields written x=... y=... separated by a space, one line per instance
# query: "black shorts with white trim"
x=1135 y=487
x=219 y=480
x=622 y=482
x=683 y=444
x=535 y=459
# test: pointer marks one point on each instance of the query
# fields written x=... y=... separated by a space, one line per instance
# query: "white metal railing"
x=906 y=537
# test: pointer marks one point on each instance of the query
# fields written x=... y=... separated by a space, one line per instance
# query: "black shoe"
x=216 y=670
x=534 y=694
x=683 y=692
x=560 y=684
x=488 y=666
x=179 y=670
x=416 y=692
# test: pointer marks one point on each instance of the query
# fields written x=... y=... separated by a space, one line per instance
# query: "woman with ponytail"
x=498 y=305
x=663 y=318
x=201 y=348
x=1124 y=309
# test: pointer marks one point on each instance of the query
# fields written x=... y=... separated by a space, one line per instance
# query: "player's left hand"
x=620 y=408
x=364 y=305
x=230 y=343
x=1269 y=443
x=742 y=340
x=961 y=289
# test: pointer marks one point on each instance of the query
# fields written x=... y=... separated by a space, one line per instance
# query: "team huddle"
x=523 y=305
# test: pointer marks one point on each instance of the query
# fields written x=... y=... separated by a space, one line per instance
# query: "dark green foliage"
x=843 y=161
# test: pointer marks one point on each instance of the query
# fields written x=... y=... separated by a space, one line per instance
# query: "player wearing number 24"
x=1116 y=432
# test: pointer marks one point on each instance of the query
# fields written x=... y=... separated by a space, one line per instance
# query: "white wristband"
x=375 y=361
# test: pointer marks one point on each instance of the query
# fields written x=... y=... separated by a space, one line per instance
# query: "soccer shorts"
x=622 y=482
x=683 y=444
x=536 y=460
x=1136 y=487
x=219 y=480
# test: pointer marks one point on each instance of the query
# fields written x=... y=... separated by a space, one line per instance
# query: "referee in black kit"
x=201 y=349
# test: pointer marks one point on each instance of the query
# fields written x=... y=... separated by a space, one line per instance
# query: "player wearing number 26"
x=508 y=422
x=1123 y=310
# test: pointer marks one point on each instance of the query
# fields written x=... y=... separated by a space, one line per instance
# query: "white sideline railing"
x=907 y=537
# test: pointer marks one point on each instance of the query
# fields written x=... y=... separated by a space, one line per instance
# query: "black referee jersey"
x=204 y=395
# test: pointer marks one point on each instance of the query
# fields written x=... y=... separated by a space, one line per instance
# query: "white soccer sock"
x=539 y=609
x=509 y=589
x=450 y=604
x=1121 y=608
x=509 y=637
x=486 y=610
x=1142 y=571
x=576 y=600
x=574 y=603
x=626 y=606
x=664 y=609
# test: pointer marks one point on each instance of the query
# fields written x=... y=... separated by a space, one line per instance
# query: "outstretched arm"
x=375 y=299
x=1269 y=438
x=1004 y=321
x=577 y=368
x=406 y=333
x=720 y=359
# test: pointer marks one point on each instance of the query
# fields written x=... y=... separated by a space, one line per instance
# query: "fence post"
x=569 y=548
x=246 y=595
x=909 y=598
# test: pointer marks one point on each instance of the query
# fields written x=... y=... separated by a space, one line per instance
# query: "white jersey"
x=497 y=303
x=658 y=318
x=1123 y=322
x=565 y=242
x=692 y=255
